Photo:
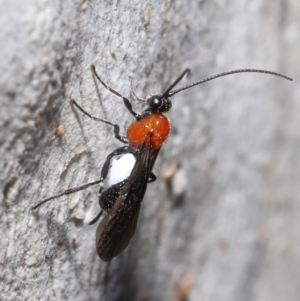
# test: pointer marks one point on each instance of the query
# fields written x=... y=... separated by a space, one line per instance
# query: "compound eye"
x=155 y=103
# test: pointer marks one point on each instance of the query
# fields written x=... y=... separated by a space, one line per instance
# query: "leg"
x=152 y=178
x=94 y=220
x=66 y=192
x=125 y=100
x=116 y=127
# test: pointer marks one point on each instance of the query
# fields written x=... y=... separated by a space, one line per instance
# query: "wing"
x=116 y=229
x=118 y=226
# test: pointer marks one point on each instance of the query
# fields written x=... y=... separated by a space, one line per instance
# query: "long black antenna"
x=186 y=71
x=169 y=94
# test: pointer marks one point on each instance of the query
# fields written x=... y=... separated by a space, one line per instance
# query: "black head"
x=158 y=103
x=162 y=103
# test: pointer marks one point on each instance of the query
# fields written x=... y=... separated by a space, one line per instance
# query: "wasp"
x=128 y=170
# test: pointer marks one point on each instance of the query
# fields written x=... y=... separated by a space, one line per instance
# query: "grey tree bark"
x=233 y=149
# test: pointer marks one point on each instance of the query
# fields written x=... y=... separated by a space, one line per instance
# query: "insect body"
x=118 y=226
x=128 y=169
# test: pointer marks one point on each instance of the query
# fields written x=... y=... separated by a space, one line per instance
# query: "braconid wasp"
x=128 y=170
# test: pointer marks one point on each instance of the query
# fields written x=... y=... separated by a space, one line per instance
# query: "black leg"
x=116 y=127
x=152 y=178
x=66 y=192
x=125 y=100
x=94 y=220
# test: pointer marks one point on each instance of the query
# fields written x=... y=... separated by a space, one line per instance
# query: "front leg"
x=125 y=100
x=123 y=139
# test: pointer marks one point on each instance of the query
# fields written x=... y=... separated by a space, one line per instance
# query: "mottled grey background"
x=235 y=231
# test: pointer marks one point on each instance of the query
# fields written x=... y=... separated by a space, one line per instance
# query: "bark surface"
x=228 y=219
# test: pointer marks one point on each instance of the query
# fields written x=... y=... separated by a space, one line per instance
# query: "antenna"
x=169 y=94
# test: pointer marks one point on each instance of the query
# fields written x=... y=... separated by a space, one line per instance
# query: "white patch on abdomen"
x=119 y=169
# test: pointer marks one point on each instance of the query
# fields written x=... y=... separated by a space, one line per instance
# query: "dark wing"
x=118 y=226
x=116 y=229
